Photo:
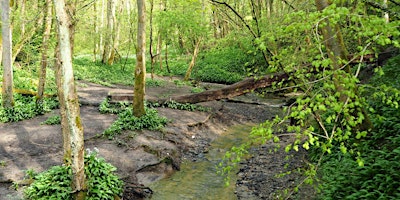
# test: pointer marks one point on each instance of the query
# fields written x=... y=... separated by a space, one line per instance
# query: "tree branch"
x=382 y=8
x=238 y=15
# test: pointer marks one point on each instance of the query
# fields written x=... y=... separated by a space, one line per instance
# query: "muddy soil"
x=140 y=155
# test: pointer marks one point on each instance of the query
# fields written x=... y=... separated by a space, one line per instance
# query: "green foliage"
x=52 y=184
x=197 y=90
x=56 y=182
x=26 y=77
x=101 y=181
x=96 y=72
x=25 y=107
x=183 y=23
x=53 y=120
x=179 y=106
x=151 y=120
x=222 y=65
x=341 y=177
x=329 y=116
x=154 y=82
x=113 y=108
x=127 y=121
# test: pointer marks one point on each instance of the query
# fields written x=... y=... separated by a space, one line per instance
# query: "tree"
x=7 y=90
x=45 y=44
x=193 y=61
x=108 y=54
x=140 y=70
x=183 y=25
x=75 y=151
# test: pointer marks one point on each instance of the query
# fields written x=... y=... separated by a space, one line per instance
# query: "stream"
x=198 y=180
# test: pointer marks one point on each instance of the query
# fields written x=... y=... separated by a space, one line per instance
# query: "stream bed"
x=199 y=180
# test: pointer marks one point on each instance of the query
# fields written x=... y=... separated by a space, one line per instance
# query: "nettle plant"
x=329 y=114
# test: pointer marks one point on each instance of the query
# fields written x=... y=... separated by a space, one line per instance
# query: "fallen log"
x=31 y=93
x=236 y=89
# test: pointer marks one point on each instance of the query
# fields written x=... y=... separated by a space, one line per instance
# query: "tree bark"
x=237 y=89
x=193 y=61
x=7 y=90
x=70 y=100
x=96 y=32
x=110 y=33
x=140 y=70
x=152 y=56
x=337 y=52
x=45 y=45
x=26 y=37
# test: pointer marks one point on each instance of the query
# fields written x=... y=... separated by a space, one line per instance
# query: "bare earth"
x=139 y=156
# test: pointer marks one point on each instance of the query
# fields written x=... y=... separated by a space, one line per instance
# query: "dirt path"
x=137 y=155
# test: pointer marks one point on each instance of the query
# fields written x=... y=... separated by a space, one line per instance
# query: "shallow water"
x=198 y=180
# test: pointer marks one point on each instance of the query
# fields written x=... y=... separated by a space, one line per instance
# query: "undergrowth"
x=55 y=183
x=53 y=120
x=25 y=107
x=222 y=65
x=127 y=121
x=342 y=177
x=151 y=120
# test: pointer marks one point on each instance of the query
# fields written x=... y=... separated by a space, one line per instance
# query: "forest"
x=104 y=99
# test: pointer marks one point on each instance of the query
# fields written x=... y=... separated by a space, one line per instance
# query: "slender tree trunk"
x=96 y=32
x=45 y=45
x=116 y=37
x=27 y=37
x=110 y=33
x=140 y=70
x=166 y=58
x=101 y=46
x=7 y=90
x=337 y=52
x=70 y=100
x=159 y=48
x=385 y=14
x=193 y=61
x=152 y=56
x=22 y=5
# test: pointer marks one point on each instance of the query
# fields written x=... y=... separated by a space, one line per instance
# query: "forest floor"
x=140 y=155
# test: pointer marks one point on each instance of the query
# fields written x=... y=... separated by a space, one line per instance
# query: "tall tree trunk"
x=166 y=57
x=159 y=46
x=22 y=5
x=101 y=46
x=96 y=32
x=7 y=90
x=45 y=45
x=110 y=33
x=152 y=56
x=116 y=36
x=70 y=100
x=140 y=70
x=337 y=52
x=385 y=14
x=193 y=61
